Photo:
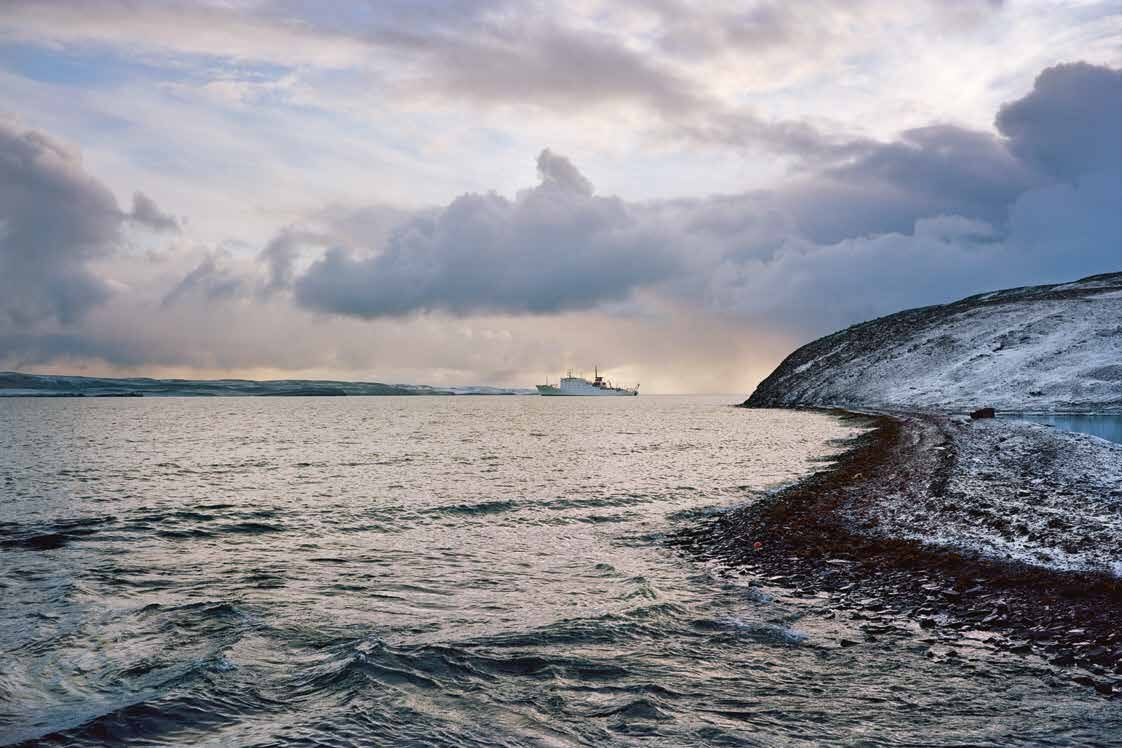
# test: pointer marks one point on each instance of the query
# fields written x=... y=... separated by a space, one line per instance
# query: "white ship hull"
x=551 y=391
x=578 y=387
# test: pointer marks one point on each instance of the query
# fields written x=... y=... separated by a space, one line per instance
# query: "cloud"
x=146 y=213
x=933 y=170
x=940 y=212
x=558 y=173
x=1071 y=122
x=282 y=252
x=684 y=71
x=555 y=247
x=501 y=288
x=210 y=279
x=946 y=212
x=337 y=225
x=54 y=220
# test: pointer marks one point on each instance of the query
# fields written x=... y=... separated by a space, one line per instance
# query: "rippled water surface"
x=440 y=571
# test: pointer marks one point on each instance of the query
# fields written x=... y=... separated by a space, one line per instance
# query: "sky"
x=491 y=192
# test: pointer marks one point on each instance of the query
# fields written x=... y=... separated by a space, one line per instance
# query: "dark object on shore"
x=982 y=413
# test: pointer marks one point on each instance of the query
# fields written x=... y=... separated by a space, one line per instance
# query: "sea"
x=1104 y=426
x=447 y=571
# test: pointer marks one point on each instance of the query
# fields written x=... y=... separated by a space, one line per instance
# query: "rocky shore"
x=988 y=530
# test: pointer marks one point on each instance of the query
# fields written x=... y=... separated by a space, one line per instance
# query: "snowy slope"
x=1038 y=348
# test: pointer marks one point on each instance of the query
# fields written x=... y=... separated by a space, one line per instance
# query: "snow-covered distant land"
x=1054 y=348
x=15 y=384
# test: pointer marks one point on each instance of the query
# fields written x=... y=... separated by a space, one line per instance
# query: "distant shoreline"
x=16 y=384
x=875 y=533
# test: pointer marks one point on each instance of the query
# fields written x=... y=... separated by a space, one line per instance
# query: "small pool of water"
x=1103 y=426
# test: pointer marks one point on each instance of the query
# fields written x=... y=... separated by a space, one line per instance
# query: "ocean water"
x=442 y=571
x=1107 y=427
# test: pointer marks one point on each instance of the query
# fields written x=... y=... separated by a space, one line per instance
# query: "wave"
x=49 y=535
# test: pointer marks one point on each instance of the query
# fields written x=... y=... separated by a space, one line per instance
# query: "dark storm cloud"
x=54 y=219
x=1068 y=126
x=935 y=214
x=929 y=171
x=947 y=212
x=941 y=211
x=556 y=247
x=1071 y=123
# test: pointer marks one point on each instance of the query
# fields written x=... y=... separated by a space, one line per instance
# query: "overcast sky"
x=489 y=192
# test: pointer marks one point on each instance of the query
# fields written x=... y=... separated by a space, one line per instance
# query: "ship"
x=571 y=386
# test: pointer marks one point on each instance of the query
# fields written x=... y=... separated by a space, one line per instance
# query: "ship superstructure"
x=571 y=386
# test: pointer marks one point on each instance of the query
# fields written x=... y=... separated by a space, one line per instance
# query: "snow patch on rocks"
x=1021 y=492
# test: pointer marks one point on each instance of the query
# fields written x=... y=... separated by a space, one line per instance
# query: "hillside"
x=1037 y=348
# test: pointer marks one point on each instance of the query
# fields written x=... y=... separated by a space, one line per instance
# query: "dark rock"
x=982 y=413
x=1100 y=656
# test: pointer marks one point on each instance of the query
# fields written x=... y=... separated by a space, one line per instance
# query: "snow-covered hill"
x=1038 y=348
